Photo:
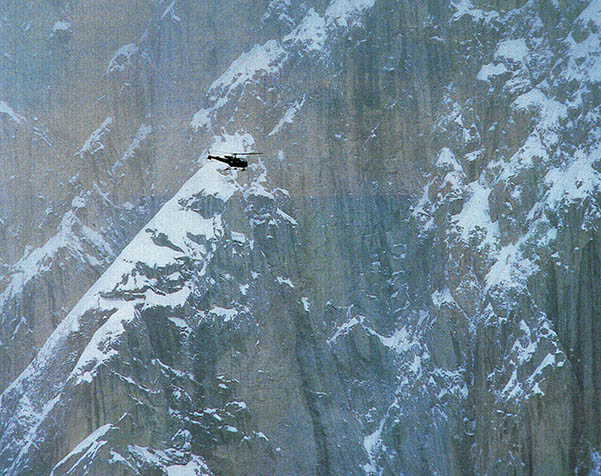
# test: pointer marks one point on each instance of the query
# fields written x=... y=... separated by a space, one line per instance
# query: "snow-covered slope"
x=136 y=327
x=406 y=282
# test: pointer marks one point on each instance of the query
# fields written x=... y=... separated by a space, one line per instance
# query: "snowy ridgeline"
x=148 y=274
x=511 y=229
x=568 y=177
x=469 y=202
x=309 y=36
x=141 y=457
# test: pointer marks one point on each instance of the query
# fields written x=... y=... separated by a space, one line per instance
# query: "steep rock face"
x=495 y=97
x=196 y=344
x=405 y=283
x=95 y=104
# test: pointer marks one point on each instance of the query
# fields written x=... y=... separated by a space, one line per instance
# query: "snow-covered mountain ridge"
x=163 y=272
x=406 y=283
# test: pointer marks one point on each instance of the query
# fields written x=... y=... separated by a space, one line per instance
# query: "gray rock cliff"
x=405 y=282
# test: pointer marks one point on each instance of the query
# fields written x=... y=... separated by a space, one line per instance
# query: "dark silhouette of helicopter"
x=233 y=160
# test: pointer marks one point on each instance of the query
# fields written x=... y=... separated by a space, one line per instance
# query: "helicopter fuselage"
x=230 y=160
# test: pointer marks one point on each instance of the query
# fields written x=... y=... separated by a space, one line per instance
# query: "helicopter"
x=233 y=160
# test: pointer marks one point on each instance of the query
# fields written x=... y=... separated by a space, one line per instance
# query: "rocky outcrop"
x=404 y=283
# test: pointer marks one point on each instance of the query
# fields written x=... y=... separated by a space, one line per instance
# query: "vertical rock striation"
x=406 y=282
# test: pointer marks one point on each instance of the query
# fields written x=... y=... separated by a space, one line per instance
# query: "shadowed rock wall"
x=404 y=283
